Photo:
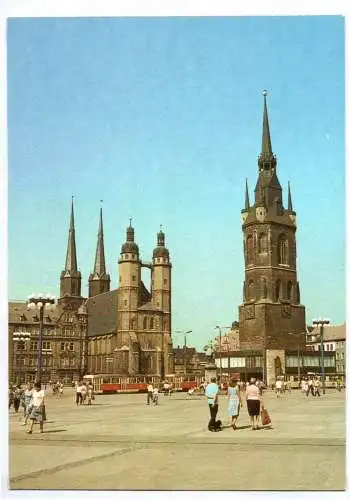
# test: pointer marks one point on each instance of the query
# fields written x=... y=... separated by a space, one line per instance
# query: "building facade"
x=125 y=331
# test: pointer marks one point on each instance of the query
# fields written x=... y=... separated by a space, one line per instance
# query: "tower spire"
x=71 y=257
x=247 y=204
x=266 y=148
x=290 y=205
x=100 y=263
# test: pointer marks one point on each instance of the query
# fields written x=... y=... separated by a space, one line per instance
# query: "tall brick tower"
x=70 y=281
x=99 y=280
x=271 y=308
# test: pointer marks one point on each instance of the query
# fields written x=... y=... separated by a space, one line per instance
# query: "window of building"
x=151 y=324
x=250 y=290
x=20 y=345
x=34 y=346
x=71 y=346
x=289 y=290
x=46 y=345
x=125 y=302
x=263 y=243
x=250 y=250
x=145 y=323
x=20 y=361
x=65 y=362
x=278 y=290
x=63 y=346
x=133 y=277
x=165 y=281
x=282 y=250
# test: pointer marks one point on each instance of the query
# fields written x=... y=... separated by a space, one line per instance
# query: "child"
x=155 y=395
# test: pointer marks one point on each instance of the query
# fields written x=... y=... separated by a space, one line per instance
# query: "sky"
x=161 y=118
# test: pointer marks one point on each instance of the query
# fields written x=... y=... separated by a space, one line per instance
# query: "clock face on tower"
x=260 y=213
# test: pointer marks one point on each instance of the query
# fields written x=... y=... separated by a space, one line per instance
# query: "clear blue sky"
x=161 y=118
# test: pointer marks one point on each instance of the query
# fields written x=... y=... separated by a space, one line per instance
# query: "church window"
x=282 y=250
x=133 y=277
x=165 y=281
x=250 y=289
x=278 y=290
x=289 y=290
x=263 y=243
x=151 y=324
x=145 y=323
x=125 y=302
x=250 y=250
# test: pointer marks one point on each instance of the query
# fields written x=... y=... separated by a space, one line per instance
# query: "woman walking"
x=254 y=401
x=27 y=401
x=37 y=408
x=234 y=404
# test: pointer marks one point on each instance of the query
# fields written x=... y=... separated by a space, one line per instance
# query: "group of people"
x=32 y=400
x=83 y=393
x=252 y=393
x=311 y=385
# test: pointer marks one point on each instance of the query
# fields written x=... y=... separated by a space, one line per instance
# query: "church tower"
x=271 y=308
x=99 y=280
x=70 y=281
x=129 y=286
x=161 y=297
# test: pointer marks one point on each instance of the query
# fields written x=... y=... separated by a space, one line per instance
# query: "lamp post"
x=298 y=347
x=41 y=302
x=184 y=333
x=19 y=337
x=218 y=327
x=321 y=322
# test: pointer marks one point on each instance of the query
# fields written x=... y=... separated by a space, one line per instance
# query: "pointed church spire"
x=247 y=204
x=266 y=148
x=100 y=263
x=71 y=257
x=290 y=205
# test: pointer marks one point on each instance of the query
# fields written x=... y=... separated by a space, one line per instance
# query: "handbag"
x=265 y=417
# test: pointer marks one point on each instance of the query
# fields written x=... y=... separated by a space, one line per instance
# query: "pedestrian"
x=11 y=396
x=254 y=402
x=310 y=387
x=60 y=389
x=212 y=395
x=235 y=403
x=17 y=398
x=304 y=386
x=78 y=395
x=36 y=409
x=155 y=397
x=149 y=393
x=338 y=385
x=83 y=392
x=89 y=394
x=27 y=397
x=278 y=386
x=317 y=387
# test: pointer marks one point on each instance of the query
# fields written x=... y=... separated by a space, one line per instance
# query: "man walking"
x=212 y=395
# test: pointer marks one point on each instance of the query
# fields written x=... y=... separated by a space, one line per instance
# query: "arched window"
x=278 y=290
x=250 y=290
x=262 y=243
x=289 y=290
x=282 y=249
x=250 y=250
x=145 y=323
x=151 y=324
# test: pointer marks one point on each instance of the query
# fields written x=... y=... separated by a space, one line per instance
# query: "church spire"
x=100 y=263
x=290 y=205
x=267 y=159
x=70 y=277
x=247 y=204
x=99 y=280
x=71 y=257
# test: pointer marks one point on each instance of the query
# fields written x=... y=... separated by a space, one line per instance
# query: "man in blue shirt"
x=212 y=395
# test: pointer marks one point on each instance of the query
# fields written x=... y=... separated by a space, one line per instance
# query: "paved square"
x=120 y=443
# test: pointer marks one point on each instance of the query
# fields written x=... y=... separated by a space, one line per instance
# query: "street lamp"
x=184 y=333
x=218 y=327
x=298 y=346
x=41 y=302
x=321 y=322
x=19 y=337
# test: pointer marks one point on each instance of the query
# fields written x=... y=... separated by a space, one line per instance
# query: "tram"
x=112 y=384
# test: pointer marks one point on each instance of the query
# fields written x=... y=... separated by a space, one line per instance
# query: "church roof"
x=331 y=332
x=102 y=313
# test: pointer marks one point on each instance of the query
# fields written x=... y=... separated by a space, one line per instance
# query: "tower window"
x=250 y=250
x=278 y=290
x=125 y=302
x=133 y=277
x=282 y=250
x=151 y=324
x=263 y=243
x=250 y=290
x=165 y=281
x=289 y=290
x=145 y=323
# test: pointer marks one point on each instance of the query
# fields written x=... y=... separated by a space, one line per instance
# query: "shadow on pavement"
x=54 y=430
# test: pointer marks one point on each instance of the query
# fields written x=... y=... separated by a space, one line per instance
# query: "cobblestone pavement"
x=120 y=443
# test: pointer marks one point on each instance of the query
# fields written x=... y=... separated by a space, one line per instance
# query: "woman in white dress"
x=37 y=408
